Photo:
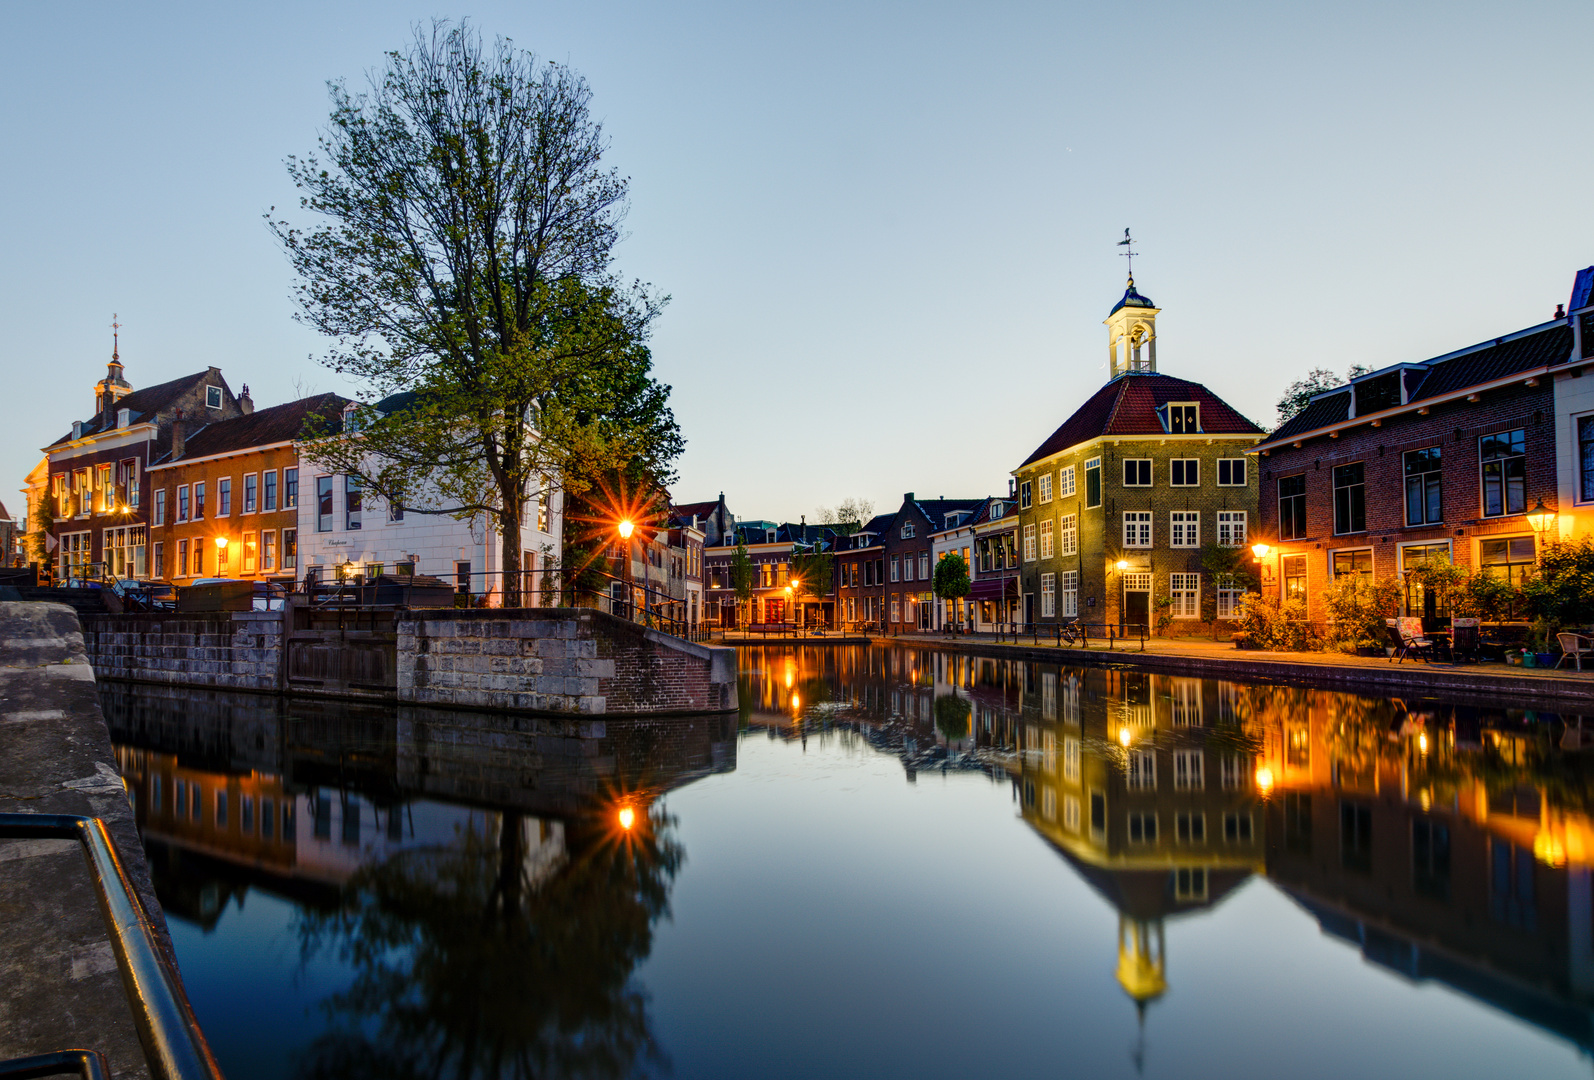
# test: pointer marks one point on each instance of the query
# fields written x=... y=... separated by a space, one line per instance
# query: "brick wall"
x=225 y=650
x=1454 y=427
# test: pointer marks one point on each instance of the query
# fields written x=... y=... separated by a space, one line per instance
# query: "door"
x=1029 y=607
x=1137 y=610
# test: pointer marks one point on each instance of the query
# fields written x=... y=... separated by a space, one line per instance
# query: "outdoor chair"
x=1464 y=635
x=1574 y=647
x=1406 y=636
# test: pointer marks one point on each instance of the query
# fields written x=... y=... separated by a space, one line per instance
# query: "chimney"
x=908 y=497
x=178 y=439
x=246 y=404
x=1560 y=311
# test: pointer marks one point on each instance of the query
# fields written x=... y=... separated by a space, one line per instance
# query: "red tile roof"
x=1128 y=406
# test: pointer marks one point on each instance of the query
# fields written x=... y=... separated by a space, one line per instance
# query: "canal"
x=896 y=862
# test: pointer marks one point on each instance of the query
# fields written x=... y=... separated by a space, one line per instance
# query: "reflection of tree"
x=952 y=716
x=467 y=963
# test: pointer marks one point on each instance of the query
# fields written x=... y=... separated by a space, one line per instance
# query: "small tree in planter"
x=1266 y=622
x=742 y=579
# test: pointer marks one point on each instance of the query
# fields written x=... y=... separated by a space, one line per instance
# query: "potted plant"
x=1541 y=639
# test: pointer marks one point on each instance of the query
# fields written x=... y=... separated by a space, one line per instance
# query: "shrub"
x=1563 y=589
x=1357 y=609
x=1278 y=625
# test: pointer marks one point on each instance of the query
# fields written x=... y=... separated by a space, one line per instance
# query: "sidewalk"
x=1197 y=656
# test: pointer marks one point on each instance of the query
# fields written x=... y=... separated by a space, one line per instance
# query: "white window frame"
x=1167 y=416
x=907 y=530
x=1189 y=770
x=213 y=398
x=1048 y=596
x=1228 y=598
x=1184 y=528
x=275 y=488
x=1184 y=465
x=1140 y=770
x=248 y=505
x=160 y=507
x=1065 y=482
x=1185 y=591
x=185 y=503
x=268 y=551
x=1093 y=463
x=1046 y=530
x=1232 y=528
x=1232 y=462
x=1068 y=587
x=1044 y=482
x=1029 y=543
x=1151 y=472
x=895 y=570
x=1068 y=535
x=1137 y=529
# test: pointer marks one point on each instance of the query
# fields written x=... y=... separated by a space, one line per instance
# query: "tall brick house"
x=861 y=575
x=910 y=560
x=98 y=497
x=1115 y=506
x=1440 y=459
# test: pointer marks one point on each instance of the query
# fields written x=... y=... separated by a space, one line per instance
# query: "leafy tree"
x=952 y=577
x=1299 y=392
x=812 y=572
x=1562 y=591
x=464 y=256
x=1225 y=568
x=849 y=517
x=1357 y=608
x=742 y=577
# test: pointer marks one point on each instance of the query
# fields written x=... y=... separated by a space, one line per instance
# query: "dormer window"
x=907 y=530
x=124 y=417
x=1378 y=393
x=351 y=418
x=997 y=510
x=1181 y=418
x=212 y=397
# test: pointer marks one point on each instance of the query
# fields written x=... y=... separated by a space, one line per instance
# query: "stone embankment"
x=541 y=660
x=60 y=985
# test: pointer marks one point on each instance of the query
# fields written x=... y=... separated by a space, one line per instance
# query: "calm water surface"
x=895 y=862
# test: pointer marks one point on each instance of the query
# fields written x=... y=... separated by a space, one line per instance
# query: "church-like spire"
x=1131 y=325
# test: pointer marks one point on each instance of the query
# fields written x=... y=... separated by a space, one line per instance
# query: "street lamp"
x=1121 y=564
x=625 y=528
x=1260 y=551
x=1540 y=518
x=221 y=552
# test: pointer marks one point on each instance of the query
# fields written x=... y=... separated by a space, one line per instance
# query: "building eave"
x=217 y=457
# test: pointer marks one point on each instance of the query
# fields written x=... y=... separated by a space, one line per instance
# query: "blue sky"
x=888 y=229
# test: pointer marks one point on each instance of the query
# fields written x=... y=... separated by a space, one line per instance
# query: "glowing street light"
x=1264 y=779
x=1260 y=551
x=221 y=543
x=625 y=529
x=1124 y=736
x=1540 y=518
x=1122 y=564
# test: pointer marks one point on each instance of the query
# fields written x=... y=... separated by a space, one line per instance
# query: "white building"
x=340 y=524
x=957 y=538
x=1574 y=420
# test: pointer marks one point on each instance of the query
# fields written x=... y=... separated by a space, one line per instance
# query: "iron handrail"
x=174 y=1046
x=88 y=1064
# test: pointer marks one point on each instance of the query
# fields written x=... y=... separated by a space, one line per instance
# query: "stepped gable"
x=278 y=424
x=1128 y=406
x=142 y=405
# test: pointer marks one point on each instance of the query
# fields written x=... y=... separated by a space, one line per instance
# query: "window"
x=1142 y=828
x=1068 y=535
x=1503 y=460
x=290 y=488
x=159 y=570
x=1048 y=596
x=924 y=567
x=353 y=500
x=1137 y=472
x=1423 y=488
x=251 y=552
x=221 y=809
x=221 y=560
x=1189 y=772
x=1231 y=528
x=1070 y=588
x=1585 y=457
x=1093 y=482
x=1071 y=758
x=182 y=558
x=1044 y=481
x=462 y=577
x=1190 y=882
x=268 y=484
x=1137 y=528
x=1231 y=472
x=123 y=551
x=1023 y=495
x=1029 y=543
x=199 y=558
x=1065 y=482
x=107 y=490
x=544 y=508
x=907 y=531
x=1071 y=813
x=1350 y=499
x=1420 y=601
x=160 y=507
x=896 y=611
x=395 y=510
x=1352 y=563
x=1228 y=596
x=1046 y=539
x=1185 y=591
x=130 y=479
x=1185 y=529
x=74 y=554
x=1511 y=894
x=323 y=504
x=1355 y=837
x=1142 y=770
x=1237 y=828
x=290 y=549
x=212 y=397
x=1430 y=858
x=894 y=574
x=224 y=497
x=1184 y=472
x=268 y=551
x=1295 y=577
x=1183 y=419
x=1511 y=558
x=251 y=490
x=199 y=501
x=1292 y=507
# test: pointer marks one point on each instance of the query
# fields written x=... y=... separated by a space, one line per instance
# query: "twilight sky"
x=888 y=228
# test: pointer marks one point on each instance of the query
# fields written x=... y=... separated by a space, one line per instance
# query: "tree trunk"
x=509 y=535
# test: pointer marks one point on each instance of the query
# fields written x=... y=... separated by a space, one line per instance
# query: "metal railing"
x=1076 y=632
x=174 y=1046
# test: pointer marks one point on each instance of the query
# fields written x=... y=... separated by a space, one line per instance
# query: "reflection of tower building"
x=1142 y=970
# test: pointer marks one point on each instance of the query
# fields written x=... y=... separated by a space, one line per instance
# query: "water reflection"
x=1447 y=841
x=489 y=884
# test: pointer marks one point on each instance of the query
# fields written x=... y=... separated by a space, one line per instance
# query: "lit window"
x=1137 y=528
x=1185 y=529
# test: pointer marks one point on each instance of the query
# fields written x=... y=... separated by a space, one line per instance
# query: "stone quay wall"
x=557 y=660
x=240 y=650
x=543 y=660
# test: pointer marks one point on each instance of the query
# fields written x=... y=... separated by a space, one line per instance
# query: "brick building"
x=860 y=575
x=909 y=558
x=225 y=502
x=1441 y=459
x=993 y=588
x=1115 y=506
x=98 y=489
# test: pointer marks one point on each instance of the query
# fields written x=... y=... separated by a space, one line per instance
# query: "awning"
x=993 y=588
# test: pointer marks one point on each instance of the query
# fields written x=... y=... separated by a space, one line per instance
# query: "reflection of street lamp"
x=627 y=817
x=1264 y=779
x=788 y=603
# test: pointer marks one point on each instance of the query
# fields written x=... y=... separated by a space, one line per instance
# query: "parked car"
x=148 y=595
x=268 y=594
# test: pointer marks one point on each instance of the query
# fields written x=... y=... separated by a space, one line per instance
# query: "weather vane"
x=1128 y=242
x=116 y=329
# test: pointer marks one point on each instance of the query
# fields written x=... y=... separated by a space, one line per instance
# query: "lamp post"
x=625 y=528
x=1539 y=520
x=221 y=553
